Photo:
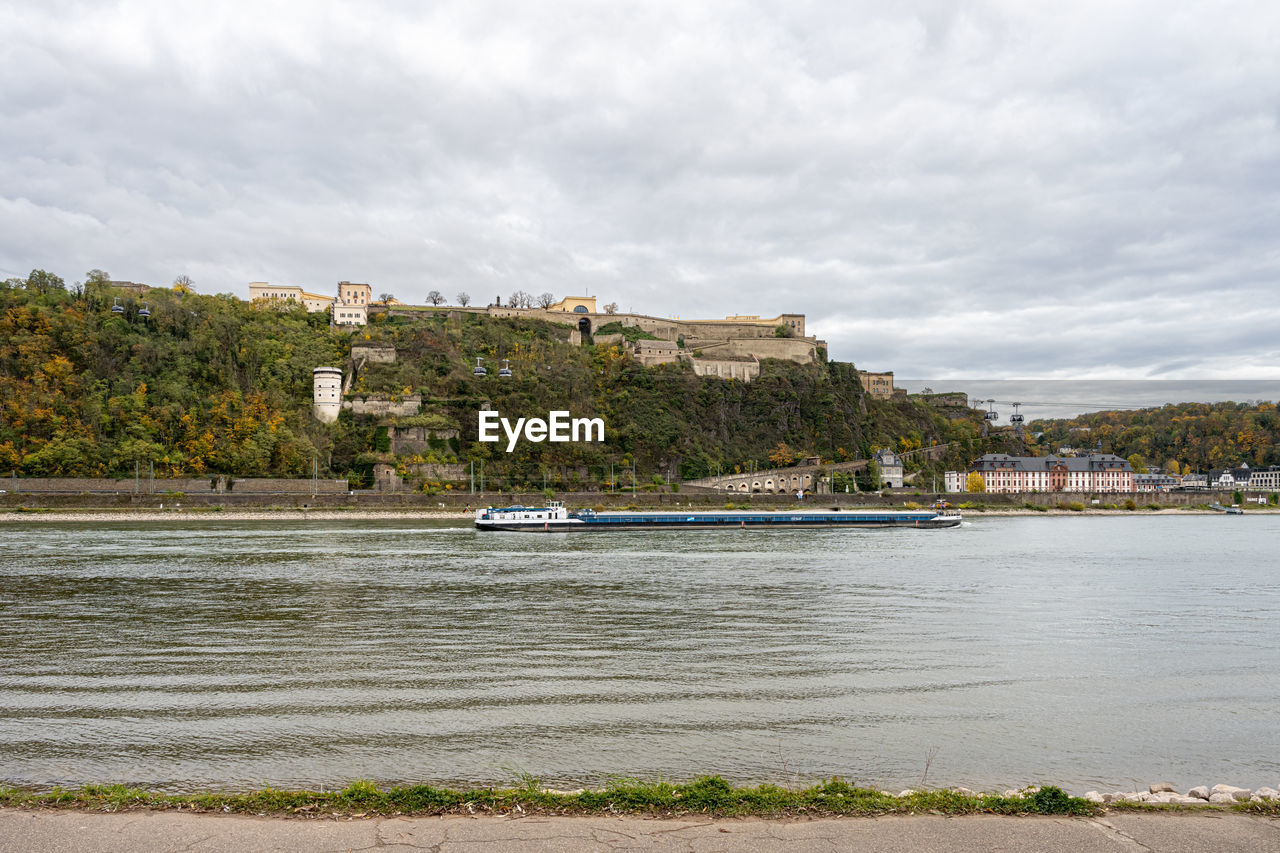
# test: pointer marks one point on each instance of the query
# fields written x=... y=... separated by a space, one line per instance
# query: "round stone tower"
x=327 y=393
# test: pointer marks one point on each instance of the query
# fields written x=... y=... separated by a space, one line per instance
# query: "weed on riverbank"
x=706 y=795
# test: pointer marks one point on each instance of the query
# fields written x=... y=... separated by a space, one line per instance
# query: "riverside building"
x=1098 y=472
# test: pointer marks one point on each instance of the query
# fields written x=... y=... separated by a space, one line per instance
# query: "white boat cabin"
x=553 y=511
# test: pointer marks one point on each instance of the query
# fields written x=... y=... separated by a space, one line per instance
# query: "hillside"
x=1197 y=436
x=210 y=384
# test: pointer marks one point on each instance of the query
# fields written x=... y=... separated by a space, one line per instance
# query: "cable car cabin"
x=117 y=308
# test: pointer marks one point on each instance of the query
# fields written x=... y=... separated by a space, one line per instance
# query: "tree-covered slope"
x=205 y=384
x=210 y=384
x=1197 y=436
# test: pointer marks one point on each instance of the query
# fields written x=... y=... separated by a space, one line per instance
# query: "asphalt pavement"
x=24 y=831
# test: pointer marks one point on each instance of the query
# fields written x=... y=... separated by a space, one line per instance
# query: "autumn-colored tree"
x=782 y=455
x=974 y=482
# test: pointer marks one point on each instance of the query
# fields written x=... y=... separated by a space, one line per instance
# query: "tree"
x=386 y=297
x=975 y=483
x=182 y=284
x=781 y=455
x=1137 y=464
x=434 y=297
x=546 y=300
x=611 y=308
x=520 y=299
x=782 y=330
x=464 y=299
x=45 y=282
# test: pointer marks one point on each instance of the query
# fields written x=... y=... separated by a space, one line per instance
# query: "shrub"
x=707 y=793
x=1053 y=800
x=1130 y=505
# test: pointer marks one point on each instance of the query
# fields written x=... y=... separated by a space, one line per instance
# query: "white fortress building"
x=326 y=384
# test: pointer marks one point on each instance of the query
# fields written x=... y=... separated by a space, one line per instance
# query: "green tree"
x=44 y=282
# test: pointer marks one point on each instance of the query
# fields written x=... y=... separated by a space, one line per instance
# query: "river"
x=1089 y=652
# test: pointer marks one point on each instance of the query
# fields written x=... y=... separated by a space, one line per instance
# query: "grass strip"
x=710 y=795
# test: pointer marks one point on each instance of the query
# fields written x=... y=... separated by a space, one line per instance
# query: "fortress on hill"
x=730 y=348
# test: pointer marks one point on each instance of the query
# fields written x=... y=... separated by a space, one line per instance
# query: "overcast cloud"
x=1004 y=189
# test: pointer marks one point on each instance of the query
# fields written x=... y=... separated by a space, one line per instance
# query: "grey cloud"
x=939 y=185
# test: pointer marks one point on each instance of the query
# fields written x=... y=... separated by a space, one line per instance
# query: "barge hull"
x=717 y=524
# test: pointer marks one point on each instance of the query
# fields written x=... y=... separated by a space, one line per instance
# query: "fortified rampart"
x=744 y=371
x=774 y=481
x=387 y=479
x=418 y=439
x=374 y=352
x=801 y=350
x=381 y=406
x=740 y=337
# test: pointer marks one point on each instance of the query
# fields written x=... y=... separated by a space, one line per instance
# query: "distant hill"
x=1198 y=436
x=211 y=384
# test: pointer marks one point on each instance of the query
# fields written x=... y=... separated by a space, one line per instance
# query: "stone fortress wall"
x=729 y=348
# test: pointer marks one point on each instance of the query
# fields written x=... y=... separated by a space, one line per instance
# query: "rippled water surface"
x=1084 y=651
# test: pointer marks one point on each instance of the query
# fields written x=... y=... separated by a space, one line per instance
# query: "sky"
x=1000 y=189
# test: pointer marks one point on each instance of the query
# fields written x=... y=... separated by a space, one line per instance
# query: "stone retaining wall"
x=144 y=486
x=375 y=406
x=73 y=485
x=265 y=486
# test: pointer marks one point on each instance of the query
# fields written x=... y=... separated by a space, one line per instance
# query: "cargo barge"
x=555 y=518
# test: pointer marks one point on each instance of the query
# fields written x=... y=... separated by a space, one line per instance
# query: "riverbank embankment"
x=177 y=512
x=709 y=795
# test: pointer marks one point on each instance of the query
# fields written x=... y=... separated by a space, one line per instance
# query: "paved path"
x=151 y=832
